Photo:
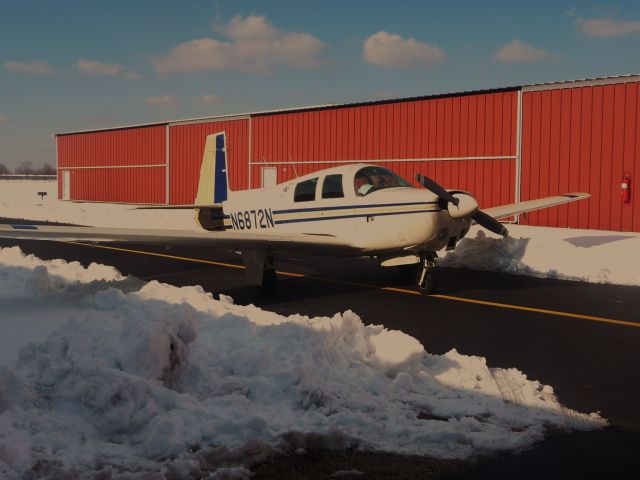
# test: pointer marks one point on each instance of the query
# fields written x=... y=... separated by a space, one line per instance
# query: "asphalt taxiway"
x=582 y=339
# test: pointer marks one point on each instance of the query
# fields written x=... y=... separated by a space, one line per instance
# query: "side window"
x=332 y=187
x=305 y=191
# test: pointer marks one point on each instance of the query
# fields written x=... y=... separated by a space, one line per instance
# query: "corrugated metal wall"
x=124 y=165
x=186 y=145
x=469 y=126
x=582 y=139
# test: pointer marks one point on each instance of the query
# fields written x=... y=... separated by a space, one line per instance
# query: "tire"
x=269 y=280
x=428 y=285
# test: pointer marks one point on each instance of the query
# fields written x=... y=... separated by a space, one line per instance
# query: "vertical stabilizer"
x=213 y=186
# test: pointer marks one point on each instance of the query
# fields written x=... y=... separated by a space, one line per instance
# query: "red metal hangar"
x=502 y=145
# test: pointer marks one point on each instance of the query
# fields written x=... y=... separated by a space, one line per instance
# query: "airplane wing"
x=503 y=211
x=265 y=241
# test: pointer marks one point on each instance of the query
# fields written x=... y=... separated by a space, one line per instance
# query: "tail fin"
x=213 y=187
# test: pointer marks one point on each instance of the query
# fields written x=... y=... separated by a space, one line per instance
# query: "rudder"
x=213 y=185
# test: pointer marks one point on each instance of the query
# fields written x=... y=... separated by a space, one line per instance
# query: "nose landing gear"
x=426 y=278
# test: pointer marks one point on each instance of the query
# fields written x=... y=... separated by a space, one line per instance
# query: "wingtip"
x=577 y=195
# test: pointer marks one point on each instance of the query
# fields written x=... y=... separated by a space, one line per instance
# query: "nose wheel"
x=426 y=278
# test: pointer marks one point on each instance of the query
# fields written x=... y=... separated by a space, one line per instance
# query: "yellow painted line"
x=163 y=255
x=388 y=289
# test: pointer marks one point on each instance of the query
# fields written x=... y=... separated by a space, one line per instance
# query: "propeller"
x=490 y=223
x=432 y=186
x=487 y=221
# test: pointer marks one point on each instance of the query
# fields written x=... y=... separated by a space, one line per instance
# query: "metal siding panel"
x=455 y=142
x=635 y=185
x=585 y=155
x=446 y=140
x=555 y=129
x=606 y=159
x=562 y=212
x=618 y=153
x=595 y=149
x=545 y=135
x=574 y=154
x=489 y=167
x=471 y=141
x=536 y=125
x=496 y=149
x=403 y=135
x=527 y=145
x=631 y=99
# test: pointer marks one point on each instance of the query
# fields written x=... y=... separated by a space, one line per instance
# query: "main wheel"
x=427 y=285
x=269 y=280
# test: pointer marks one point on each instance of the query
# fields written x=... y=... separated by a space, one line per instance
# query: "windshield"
x=370 y=179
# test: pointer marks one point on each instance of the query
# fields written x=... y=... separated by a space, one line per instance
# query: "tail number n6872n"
x=252 y=219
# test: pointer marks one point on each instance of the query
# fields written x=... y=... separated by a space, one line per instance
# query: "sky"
x=77 y=65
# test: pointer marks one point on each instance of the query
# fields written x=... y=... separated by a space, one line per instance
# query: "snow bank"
x=168 y=381
x=585 y=255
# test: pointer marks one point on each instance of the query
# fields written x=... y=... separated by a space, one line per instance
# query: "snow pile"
x=19 y=199
x=586 y=255
x=169 y=381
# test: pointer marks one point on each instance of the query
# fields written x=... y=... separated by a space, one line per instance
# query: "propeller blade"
x=432 y=186
x=490 y=223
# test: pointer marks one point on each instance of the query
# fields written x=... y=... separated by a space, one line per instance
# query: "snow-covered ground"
x=103 y=376
x=587 y=255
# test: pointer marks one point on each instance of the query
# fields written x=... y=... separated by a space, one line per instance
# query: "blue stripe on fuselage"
x=338 y=217
x=343 y=207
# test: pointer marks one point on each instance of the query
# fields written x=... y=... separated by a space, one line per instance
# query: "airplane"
x=355 y=210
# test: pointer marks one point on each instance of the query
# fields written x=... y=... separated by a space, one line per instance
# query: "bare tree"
x=4 y=170
x=47 y=169
x=25 y=168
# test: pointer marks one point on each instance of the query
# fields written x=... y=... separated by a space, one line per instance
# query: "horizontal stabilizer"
x=530 y=205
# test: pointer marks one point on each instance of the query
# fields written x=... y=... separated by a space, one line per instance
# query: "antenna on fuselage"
x=293 y=165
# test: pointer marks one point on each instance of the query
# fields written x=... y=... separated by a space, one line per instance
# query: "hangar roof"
x=585 y=82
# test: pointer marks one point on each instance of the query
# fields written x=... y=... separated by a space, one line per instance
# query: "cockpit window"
x=332 y=187
x=370 y=179
x=305 y=191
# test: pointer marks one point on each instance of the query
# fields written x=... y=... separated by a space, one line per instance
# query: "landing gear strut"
x=260 y=269
x=426 y=278
x=269 y=277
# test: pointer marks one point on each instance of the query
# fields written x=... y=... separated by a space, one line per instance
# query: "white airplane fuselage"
x=387 y=220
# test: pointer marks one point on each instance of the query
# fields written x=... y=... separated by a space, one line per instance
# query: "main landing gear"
x=259 y=270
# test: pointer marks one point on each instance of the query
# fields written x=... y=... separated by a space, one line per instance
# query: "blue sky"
x=77 y=65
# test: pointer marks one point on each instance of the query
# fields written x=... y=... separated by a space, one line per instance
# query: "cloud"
x=208 y=99
x=162 y=101
x=254 y=46
x=392 y=51
x=606 y=27
x=4 y=119
x=518 y=51
x=32 y=67
x=91 y=67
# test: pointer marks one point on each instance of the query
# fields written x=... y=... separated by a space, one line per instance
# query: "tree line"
x=27 y=168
